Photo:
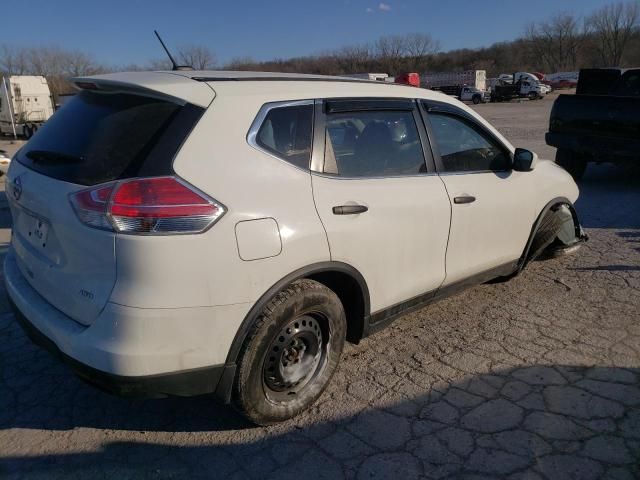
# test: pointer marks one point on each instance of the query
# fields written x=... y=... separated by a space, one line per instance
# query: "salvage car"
x=189 y=232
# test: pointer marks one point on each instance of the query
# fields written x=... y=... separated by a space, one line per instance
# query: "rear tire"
x=571 y=163
x=27 y=132
x=476 y=99
x=290 y=354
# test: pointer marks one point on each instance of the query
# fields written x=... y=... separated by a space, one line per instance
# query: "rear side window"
x=465 y=148
x=286 y=132
x=373 y=144
x=629 y=84
x=97 y=138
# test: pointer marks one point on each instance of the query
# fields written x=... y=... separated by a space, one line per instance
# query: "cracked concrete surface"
x=535 y=378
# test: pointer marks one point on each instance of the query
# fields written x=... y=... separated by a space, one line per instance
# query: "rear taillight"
x=160 y=205
x=91 y=206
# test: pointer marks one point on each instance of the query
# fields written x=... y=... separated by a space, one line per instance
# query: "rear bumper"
x=601 y=147
x=195 y=382
x=132 y=351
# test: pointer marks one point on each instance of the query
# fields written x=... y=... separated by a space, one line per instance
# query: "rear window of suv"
x=286 y=133
x=97 y=138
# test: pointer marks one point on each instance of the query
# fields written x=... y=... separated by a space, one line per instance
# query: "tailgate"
x=97 y=138
x=73 y=267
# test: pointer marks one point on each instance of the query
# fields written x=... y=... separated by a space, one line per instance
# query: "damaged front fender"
x=569 y=236
x=557 y=231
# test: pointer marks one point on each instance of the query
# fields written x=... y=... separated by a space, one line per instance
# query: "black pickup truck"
x=600 y=123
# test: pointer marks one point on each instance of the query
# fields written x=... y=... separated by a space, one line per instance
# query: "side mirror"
x=524 y=160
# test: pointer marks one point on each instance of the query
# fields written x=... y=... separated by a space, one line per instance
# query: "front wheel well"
x=546 y=228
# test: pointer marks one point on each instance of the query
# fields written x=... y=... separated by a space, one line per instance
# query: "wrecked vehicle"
x=250 y=223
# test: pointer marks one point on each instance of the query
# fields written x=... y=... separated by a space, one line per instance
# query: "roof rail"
x=289 y=79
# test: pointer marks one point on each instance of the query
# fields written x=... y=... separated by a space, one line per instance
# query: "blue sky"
x=120 y=31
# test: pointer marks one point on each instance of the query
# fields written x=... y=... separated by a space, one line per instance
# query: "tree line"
x=609 y=37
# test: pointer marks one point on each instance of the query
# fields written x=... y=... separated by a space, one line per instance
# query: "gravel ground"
x=535 y=378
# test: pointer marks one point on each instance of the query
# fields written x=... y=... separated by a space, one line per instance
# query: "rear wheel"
x=290 y=354
x=27 y=132
x=476 y=99
x=571 y=163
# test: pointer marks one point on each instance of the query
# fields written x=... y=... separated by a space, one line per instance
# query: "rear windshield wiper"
x=47 y=156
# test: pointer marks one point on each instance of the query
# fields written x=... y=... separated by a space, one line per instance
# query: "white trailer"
x=379 y=77
x=25 y=104
x=470 y=78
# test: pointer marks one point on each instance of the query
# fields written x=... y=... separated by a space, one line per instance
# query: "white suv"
x=183 y=233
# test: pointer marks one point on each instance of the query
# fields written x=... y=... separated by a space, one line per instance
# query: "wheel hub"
x=294 y=355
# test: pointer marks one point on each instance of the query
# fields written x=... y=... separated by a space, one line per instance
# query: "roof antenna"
x=175 y=66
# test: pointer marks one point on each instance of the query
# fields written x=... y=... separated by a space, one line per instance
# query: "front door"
x=386 y=213
x=491 y=218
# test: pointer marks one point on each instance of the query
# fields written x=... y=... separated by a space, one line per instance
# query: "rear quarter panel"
x=206 y=269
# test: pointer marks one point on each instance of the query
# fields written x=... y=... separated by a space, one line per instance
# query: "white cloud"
x=384 y=7
x=369 y=10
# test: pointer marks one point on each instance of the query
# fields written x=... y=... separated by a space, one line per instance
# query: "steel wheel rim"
x=295 y=357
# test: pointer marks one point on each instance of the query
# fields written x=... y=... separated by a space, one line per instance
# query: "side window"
x=286 y=132
x=464 y=148
x=629 y=84
x=373 y=144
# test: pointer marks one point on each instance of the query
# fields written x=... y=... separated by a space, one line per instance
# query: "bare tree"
x=556 y=42
x=353 y=59
x=13 y=61
x=78 y=64
x=129 y=67
x=632 y=52
x=159 y=64
x=54 y=63
x=418 y=46
x=241 y=63
x=389 y=51
x=197 y=56
x=612 y=26
x=46 y=61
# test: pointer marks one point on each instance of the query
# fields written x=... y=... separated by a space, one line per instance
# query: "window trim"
x=252 y=134
x=364 y=104
x=428 y=106
x=360 y=104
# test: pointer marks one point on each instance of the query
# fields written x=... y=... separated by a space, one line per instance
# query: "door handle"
x=464 y=199
x=349 y=209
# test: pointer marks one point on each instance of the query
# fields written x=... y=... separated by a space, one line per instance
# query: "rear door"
x=384 y=210
x=97 y=138
x=491 y=216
